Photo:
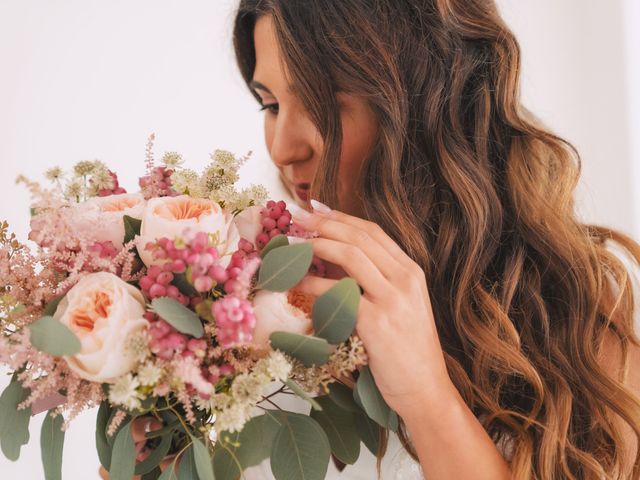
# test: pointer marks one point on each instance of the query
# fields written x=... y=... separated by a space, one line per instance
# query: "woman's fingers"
x=315 y=286
x=143 y=425
x=167 y=462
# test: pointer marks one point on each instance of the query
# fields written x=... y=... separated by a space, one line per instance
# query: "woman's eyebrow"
x=257 y=85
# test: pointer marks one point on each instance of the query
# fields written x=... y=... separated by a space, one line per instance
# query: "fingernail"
x=296 y=240
x=319 y=207
x=147 y=426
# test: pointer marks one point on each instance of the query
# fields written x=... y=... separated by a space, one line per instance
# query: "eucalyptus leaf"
x=180 y=281
x=308 y=349
x=335 y=312
x=178 y=316
x=131 y=228
x=297 y=389
x=14 y=423
x=283 y=267
x=102 y=444
x=367 y=393
x=170 y=473
x=238 y=451
x=123 y=458
x=51 y=445
x=202 y=460
x=155 y=457
x=340 y=427
x=343 y=396
x=53 y=337
x=275 y=242
x=51 y=307
x=300 y=449
x=187 y=465
x=368 y=430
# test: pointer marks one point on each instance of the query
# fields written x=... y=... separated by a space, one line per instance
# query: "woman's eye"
x=272 y=107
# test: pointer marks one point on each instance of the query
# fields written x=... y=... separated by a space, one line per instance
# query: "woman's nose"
x=292 y=140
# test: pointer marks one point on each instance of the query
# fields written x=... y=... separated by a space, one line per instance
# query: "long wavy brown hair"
x=480 y=194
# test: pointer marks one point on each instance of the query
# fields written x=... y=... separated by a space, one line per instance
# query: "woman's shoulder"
x=633 y=269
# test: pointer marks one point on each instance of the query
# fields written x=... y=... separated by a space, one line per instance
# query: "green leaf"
x=187 y=465
x=238 y=451
x=300 y=450
x=123 y=459
x=343 y=397
x=297 y=389
x=369 y=396
x=283 y=267
x=14 y=423
x=155 y=457
x=335 y=312
x=368 y=430
x=50 y=336
x=275 y=242
x=131 y=228
x=340 y=428
x=178 y=316
x=51 y=444
x=102 y=443
x=152 y=475
x=51 y=307
x=180 y=281
x=308 y=349
x=202 y=460
x=170 y=473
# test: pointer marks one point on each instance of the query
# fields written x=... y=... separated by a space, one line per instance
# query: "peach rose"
x=172 y=217
x=104 y=312
x=101 y=218
x=275 y=312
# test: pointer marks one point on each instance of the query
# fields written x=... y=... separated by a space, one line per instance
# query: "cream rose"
x=249 y=223
x=276 y=312
x=101 y=218
x=172 y=217
x=104 y=312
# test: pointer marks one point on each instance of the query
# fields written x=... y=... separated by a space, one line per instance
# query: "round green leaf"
x=373 y=403
x=123 y=458
x=335 y=312
x=368 y=430
x=308 y=349
x=275 y=242
x=343 y=397
x=14 y=423
x=51 y=444
x=50 y=336
x=178 y=316
x=340 y=428
x=300 y=450
x=283 y=267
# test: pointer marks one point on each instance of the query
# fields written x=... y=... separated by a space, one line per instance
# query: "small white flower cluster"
x=87 y=178
x=125 y=392
x=233 y=409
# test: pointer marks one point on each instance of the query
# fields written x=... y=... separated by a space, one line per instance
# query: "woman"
x=498 y=326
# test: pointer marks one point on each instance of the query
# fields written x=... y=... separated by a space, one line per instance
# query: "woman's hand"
x=139 y=428
x=395 y=319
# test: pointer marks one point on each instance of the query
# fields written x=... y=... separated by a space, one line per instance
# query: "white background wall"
x=82 y=79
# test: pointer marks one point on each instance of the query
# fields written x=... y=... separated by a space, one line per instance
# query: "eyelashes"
x=272 y=107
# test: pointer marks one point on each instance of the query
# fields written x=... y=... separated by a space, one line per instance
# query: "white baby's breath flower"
x=172 y=160
x=278 y=366
x=248 y=387
x=138 y=346
x=53 y=174
x=233 y=418
x=124 y=392
x=149 y=374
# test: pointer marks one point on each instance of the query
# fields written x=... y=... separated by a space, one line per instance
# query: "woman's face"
x=293 y=141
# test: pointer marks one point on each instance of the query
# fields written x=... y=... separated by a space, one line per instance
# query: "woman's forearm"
x=451 y=442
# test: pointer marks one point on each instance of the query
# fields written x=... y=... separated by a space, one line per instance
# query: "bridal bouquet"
x=178 y=302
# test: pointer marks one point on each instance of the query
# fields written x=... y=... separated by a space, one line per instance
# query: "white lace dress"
x=397 y=464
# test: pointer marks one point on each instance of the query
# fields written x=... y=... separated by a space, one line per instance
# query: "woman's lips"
x=302 y=190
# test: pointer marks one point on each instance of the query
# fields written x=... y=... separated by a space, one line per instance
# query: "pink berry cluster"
x=157 y=283
x=235 y=320
x=157 y=183
x=166 y=342
x=116 y=189
x=103 y=249
x=237 y=265
x=276 y=220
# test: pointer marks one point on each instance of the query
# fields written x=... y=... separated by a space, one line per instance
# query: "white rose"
x=172 y=217
x=274 y=313
x=101 y=218
x=104 y=312
x=249 y=223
